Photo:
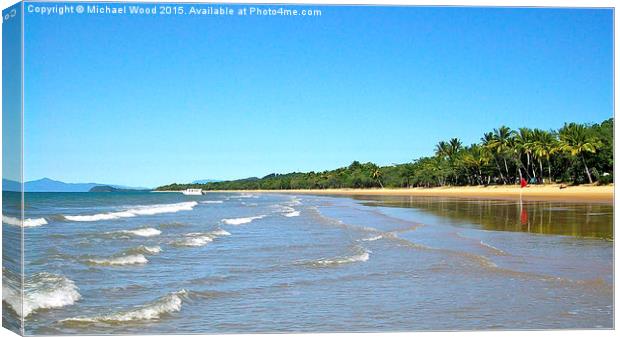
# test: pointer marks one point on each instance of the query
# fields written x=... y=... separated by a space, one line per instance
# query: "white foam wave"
x=362 y=256
x=9 y=220
x=294 y=202
x=199 y=239
x=374 y=238
x=120 y=260
x=220 y=232
x=212 y=202
x=136 y=211
x=153 y=250
x=241 y=221
x=145 y=232
x=246 y=195
x=41 y=291
x=291 y=214
x=154 y=310
x=193 y=241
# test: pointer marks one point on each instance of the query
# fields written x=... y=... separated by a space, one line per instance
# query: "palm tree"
x=476 y=157
x=442 y=149
x=523 y=145
x=488 y=143
x=577 y=140
x=544 y=145
x=448 y=149
x=455 y=146
x=502 y=143
x=377 y=174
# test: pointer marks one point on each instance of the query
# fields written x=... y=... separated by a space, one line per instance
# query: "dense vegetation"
x=576 y=153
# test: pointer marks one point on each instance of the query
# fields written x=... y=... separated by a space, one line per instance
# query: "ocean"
x=133 y=263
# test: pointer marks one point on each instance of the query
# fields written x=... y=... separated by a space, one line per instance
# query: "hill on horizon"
x=51 y=185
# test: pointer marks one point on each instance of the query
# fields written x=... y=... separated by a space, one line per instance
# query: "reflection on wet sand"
x=593 y=220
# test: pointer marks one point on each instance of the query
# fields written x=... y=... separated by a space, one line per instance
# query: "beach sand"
x=584 y=193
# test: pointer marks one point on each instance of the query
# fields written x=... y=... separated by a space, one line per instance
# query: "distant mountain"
x=204 y=181
x=10 y=185
x=50 y=185
x=106 y=188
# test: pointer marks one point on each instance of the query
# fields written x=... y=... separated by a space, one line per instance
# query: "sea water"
x=131 y=263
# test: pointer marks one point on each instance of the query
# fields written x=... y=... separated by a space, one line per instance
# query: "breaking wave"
x=41 y=291
x=362 y=255
x=137 y=211
x=9 y=220
x=241 y=221
x=286 y=211
x=193 y=240
x=294 y=201
x=153 y=310
x=291 y=214
x=246 y=195
x=146 y=250
x=145 y=232
x=199 y=239
x=374 y=238
x=120 y=260
x=220 y=232
x=212 y=202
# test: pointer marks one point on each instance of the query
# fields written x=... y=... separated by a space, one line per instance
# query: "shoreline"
x=583 y=193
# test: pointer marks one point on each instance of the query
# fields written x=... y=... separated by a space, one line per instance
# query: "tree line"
x=574 y=154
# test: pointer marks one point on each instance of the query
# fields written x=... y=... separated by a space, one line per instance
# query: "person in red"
x=523 y=182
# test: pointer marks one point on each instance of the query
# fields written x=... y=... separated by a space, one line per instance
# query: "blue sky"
x=152 y=100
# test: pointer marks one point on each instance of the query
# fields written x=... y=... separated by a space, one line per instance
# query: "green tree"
x=544 y=145
x=577 y=140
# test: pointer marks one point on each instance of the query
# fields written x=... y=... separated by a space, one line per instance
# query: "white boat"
x=192 y=191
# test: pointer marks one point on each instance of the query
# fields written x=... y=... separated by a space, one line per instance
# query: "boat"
x=192 y=191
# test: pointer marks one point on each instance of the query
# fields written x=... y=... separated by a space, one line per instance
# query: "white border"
x=490 y=3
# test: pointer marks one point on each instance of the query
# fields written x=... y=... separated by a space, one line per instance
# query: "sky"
x=151 y=100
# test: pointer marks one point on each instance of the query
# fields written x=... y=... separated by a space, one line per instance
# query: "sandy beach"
x=586 y=193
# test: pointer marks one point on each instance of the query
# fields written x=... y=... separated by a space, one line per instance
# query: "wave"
x=193 y=240
x=9 y=220
x=362 y=255
x=245 y=195
x=120 y=260
x=241 y=221
x=212 y=202
x=41 y=291
x=292 y=214
x=493 y=248
x=144 y=232
x=137 y=211
x=287 y=211
x=220 y=232
x=199 y=239
x=145 y=250
x=374 y=238
x=167 y=304
x=294 y=202
x=172 y=225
